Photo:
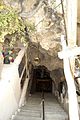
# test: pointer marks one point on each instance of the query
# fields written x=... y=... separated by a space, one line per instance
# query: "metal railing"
x=43 y=107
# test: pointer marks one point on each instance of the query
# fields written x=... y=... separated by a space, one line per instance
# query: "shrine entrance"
x=41 y=80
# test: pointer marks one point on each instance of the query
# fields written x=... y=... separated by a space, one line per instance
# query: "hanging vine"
x=12 y=24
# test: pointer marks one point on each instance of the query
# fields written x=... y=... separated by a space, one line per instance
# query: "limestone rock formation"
x=49 y=28
x=45 y=41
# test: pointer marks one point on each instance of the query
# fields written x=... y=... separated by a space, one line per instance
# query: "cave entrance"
x=41 y=80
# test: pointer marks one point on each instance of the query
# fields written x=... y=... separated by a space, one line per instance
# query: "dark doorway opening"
x=41 y=80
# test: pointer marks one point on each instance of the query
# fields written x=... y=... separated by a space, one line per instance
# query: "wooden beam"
x=71 y=27
x=69 y=52
x=71 y=22
x=73 y=104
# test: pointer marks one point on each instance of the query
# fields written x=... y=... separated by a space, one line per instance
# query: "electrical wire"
x=57 y=6
x=53 y=10
x=61 y=3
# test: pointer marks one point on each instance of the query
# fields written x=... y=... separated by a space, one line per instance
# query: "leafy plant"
x=9 y=22
x=12 y=24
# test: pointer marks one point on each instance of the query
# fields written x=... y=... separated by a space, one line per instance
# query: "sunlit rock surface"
x=45 y=42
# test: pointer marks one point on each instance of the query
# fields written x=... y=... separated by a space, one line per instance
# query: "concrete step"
x=26 y=118
x=53 y=110
x=32 y=109
x=29 y=110
x=30 y=113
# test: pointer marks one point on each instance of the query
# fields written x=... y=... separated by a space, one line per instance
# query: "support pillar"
x=72 y=27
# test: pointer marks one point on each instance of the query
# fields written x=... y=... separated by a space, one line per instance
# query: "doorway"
x=41 y=81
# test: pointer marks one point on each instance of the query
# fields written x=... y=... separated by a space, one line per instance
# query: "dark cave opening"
x=41 y=81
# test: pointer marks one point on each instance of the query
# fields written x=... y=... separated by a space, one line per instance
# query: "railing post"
x=43 y=107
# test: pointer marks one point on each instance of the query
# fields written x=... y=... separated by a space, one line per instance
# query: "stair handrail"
x=42 y=107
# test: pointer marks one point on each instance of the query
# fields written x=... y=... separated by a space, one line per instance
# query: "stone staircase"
x=32 y=109
x=53 y=110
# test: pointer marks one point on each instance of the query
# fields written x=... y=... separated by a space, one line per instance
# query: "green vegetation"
x=12 y=24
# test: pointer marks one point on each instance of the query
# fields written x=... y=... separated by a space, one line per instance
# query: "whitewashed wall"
x=78 y=10
x=11 y=95
x=9 y=91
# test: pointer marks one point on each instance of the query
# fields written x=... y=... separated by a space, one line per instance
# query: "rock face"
x=49 y=27
x=45 y=42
